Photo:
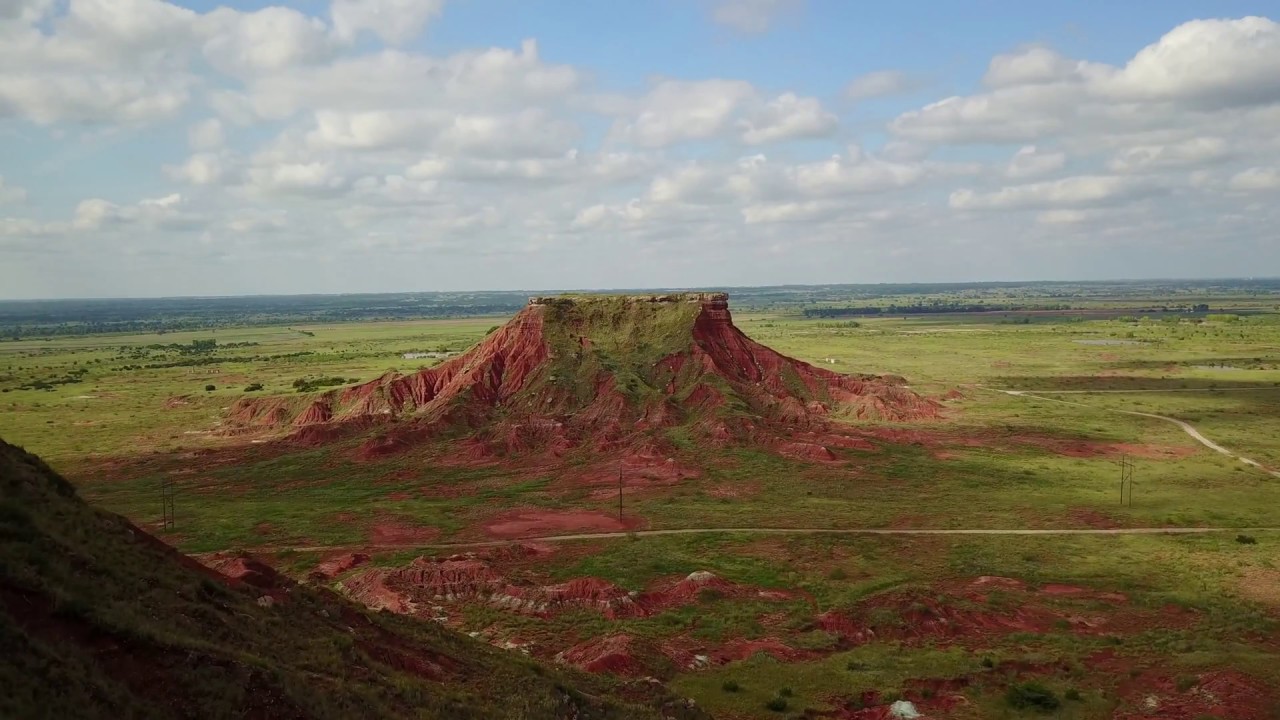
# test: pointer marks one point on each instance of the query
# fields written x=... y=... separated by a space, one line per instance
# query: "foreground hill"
x=597 y=373
x=99 y=619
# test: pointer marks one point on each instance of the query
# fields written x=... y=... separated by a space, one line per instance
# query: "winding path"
x=1185 y=426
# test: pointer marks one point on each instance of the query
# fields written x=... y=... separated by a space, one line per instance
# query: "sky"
x=152 y=148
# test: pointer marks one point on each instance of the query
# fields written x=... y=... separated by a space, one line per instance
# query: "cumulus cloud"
x=787 y=117
x=295 y=178
x=330 y=138
x=880 y=83
x=163 y=212
x=270 y=39
x=1191 y=153
x=752 y=16
x=1083 y=190
x=395 y=21
x=679 y=110
x=676 y=111
x=1206 y=64
x=1202 y=65
x=206 y=135
x=494 y=78
x=1030 y=162
x=11 y=193
x=199 y=169
x=1256 y=179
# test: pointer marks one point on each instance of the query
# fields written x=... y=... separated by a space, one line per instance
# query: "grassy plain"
x=124 y=428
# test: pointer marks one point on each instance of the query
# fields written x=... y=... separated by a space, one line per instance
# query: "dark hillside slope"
x=100 y=620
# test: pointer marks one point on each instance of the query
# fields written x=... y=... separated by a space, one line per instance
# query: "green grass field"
x=131 y=417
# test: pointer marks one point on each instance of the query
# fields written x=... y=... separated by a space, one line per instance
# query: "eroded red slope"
x=539 y=382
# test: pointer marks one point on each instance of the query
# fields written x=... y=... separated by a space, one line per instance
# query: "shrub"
x=253 y=387
x=785 y=692
x=1072 y=694
x=1246 y=539
x=210 y=388
x=776 y=704
x=1186 y=682
x=988 y=663
x=1031 y=696
x=730 y=686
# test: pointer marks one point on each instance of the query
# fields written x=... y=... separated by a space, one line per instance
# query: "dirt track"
x=1185 y=426
x=781 y=531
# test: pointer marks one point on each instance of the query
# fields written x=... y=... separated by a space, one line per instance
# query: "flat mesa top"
x=684 y=297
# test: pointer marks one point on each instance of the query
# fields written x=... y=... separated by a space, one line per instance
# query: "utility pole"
x=1126 y=477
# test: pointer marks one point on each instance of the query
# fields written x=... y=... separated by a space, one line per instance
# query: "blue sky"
x=154 y=148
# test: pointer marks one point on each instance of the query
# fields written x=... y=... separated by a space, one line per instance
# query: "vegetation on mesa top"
x=99 y=619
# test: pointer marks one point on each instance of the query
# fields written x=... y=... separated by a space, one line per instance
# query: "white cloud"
x=1186 y=154
x=1256 y=178
x=529 y=133
x=853 y=173
x=752 y=16
x=348 y=160
x=1031 y=162
x=787 y=117
x=1079 y=191
x=395 y=21
x=199 y=169
x=1206 y=64
x=1202 y=65
x=880 y=83
x=495 y=78
x=680 y=110
x=295 y=178
x=1032 y=66
x=273 y=38
x=206 y=135
x=11 y=194
x=163 y=212
x=782 y=212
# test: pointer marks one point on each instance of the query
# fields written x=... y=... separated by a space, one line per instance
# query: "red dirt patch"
x=538 y=522
x=613 y=654
x=805 y=451
x=1226 y=694
x=334 y=567
x=965 y=613
x=1092 y=519
x=394 y=532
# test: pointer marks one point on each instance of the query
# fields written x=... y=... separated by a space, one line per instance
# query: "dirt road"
x=1185 y=426
x=770 y=531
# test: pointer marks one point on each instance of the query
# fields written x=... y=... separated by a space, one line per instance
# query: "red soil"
x=1227 y=694
x=335 y=566
x=965 y=614
x=613 y=654
x=806 y=451
x=1092 y=518
x=536 y=522
x=242 y=569
x=393 y=532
